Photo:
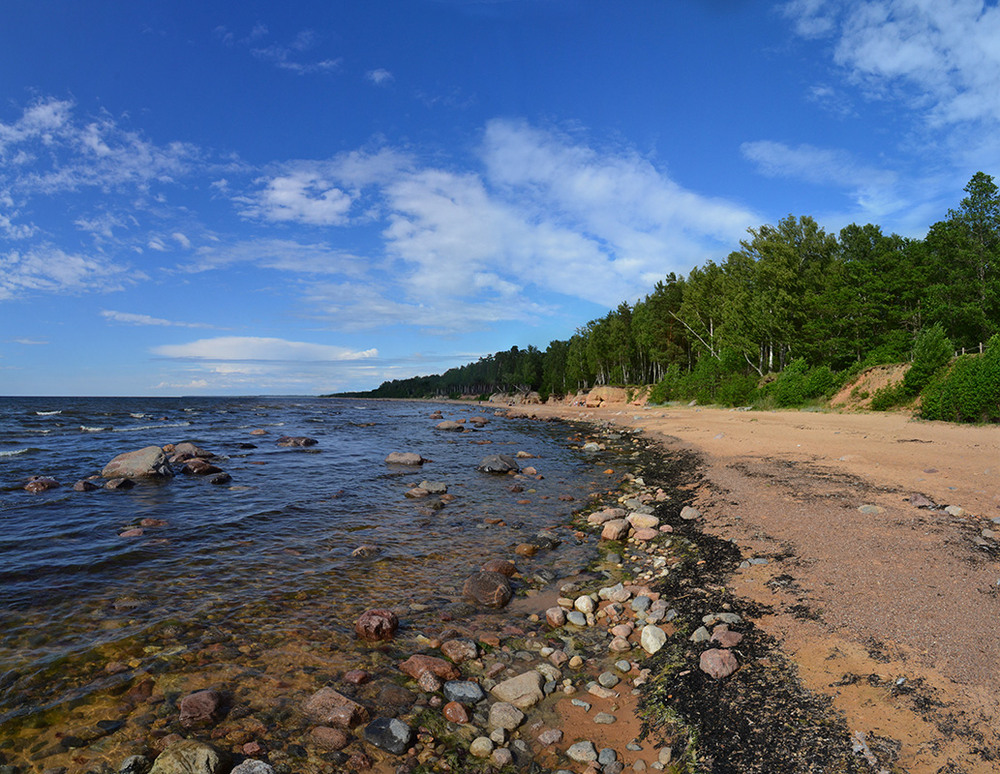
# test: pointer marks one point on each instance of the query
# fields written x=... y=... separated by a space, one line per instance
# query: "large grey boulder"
x=150 y=462
x=522 y=691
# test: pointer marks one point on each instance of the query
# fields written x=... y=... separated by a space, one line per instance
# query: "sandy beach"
x=883 y=596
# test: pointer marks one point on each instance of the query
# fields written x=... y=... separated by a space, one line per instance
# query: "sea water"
x=259 y=571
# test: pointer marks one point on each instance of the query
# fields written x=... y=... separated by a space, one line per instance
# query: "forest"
x=787 y=318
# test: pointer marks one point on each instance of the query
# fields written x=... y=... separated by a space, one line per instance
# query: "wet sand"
x=884 y=602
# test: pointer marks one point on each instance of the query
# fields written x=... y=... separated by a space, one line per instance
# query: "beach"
x=869 y=544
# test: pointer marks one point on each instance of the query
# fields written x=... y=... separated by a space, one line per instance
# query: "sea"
x=252 y=585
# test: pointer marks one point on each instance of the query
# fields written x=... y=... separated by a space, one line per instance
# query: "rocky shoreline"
x=639 y=661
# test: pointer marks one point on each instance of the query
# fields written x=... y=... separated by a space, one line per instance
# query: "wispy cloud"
x=29 y=342
x=50 y=269
x=258 y=349
x=380 y=77
x=128 y=318
x=940 y=58
x=300 y=196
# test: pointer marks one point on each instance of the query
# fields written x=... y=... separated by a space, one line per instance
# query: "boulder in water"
x=296 y=440
x=498 y=463
x=150 y=462
x=488 y=588
x=376 y=625
x=404 y=458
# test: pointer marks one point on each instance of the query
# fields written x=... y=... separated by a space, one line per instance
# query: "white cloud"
x=29 y=342
x=282 y=255
x=301 y=196
x=289 y=57
x=252 y=348
x=52 y=270
x=380 y=77
x=941 y=58
x=144 y=319
x=181 y=239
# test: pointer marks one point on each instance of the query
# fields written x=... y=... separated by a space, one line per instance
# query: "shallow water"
x=258 y=571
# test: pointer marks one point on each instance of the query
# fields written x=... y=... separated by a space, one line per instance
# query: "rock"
x=418 y=664
x=135 y=764
x=522 y=691
x=652 y=639
x=253 y=766
x=955 y=510
x=404 y=458
x=619 y=645
x=701 y=634
x=604 y=718
x=584 y=604
x=488 y=588
x=330 y=738
x=389 y=734
x=149 y=462
x=199 y=467
x=499 y=464
x=119 y=483
x=454 y=712
x=640 y=604
x=502 y=757
x=502 y=566
x=41 y=484
x=555 y=616
x=332 y=708
x=726 y=638
x=526 y=549
x=450 y=427
x=434 y=487
x=415 y=493
x=606 y=756
x=188 y=756
x=464 y=691
x=616 y=593
x=645 y=535
x=689 y=514
x=609 y=679
x=376 y=625
x=200 y=708
x=871 y=510
x=576 y=618
x=505 y=715
x=459 y=650
x=481 y=747
x=296 y=440
x=366 y=551
x=396 y=697
x=89 y=486
x=550 y=736
x=582 y=752
x=718 y=663
x=616 y=529
x=643 y=521
x=220 y=478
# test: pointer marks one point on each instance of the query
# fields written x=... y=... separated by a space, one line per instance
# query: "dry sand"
x=892 y=612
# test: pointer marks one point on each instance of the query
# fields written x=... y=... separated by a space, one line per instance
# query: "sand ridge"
x=890 y=610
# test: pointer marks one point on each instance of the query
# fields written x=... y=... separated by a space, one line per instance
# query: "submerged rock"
x=188 y=756
x=296 y=440
x=200 y=708
x=389 y=734
x=376 y=625
x=332 y=708
x=488 y=588
x=41 y=484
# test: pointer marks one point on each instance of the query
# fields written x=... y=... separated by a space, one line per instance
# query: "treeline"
x=796 y=309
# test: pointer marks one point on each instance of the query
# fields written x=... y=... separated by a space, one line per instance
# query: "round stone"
x=481 y=747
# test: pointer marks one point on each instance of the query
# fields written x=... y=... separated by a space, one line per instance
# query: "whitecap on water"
x=47 y=413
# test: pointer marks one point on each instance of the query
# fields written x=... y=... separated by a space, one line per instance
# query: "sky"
x=309 y=197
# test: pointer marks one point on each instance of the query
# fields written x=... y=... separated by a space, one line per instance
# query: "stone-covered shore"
x=639 y=661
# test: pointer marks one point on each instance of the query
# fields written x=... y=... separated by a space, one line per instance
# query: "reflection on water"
x=251 y=585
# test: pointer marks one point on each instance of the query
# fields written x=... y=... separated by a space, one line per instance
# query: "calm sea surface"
x=266 y=558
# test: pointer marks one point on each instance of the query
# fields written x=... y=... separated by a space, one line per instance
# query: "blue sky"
x=249 y=198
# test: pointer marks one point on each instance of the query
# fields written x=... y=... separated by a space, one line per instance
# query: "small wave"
x=138 y=416
x=14 y=452
x=47 y=413
x=148 y=427
x=87 y=429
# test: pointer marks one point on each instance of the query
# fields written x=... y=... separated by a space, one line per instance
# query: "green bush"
x=969 y=392
x=789 y=389
x=931 y=351
x=889 y=396
x=736 y=390
x=821 y=382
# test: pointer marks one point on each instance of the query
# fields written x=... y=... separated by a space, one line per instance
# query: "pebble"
x=505 y=715
x=582 y=752
x=653 y=638
x=701 y=634
x=502 y=757
x=604 y=718
x=464 y=692
x=689 y=514
x=581 y=703
x=622 y=665
x=455 y=713
x=576 y=618
x=389 y=734
x=584 y=604
x=253 y=766
x=600 y=691
x=641 y=603
x=576 y=662
x=607 y=756
x=609 y=679
x=481 y=747
x=550 y=736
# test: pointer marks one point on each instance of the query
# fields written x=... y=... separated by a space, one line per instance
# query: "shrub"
x=889 y=396
x=931 y=350
x=820 y=382
x=969 y=392
x=789 y=389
